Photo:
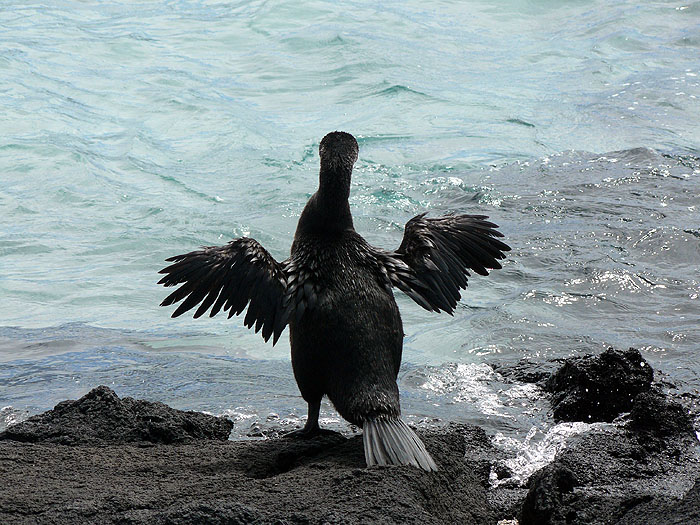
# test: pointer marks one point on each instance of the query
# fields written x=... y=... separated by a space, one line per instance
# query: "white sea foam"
x=536 y=449
x=10 y=416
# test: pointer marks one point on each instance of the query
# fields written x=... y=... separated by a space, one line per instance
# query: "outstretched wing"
x=229 y=278
x=433 y=262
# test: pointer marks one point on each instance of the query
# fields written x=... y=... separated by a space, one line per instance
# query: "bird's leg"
x=311 y=428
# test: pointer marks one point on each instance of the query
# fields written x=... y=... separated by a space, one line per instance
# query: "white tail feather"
x=392 y=442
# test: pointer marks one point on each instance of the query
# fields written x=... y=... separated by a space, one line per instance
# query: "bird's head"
x=338 y=151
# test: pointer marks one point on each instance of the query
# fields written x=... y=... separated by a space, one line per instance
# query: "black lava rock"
x=654 y=415
x=320 y=480
x=543 y=503
x=661 y=512
x=599 y=388
x=100 y=417
x=526 y=371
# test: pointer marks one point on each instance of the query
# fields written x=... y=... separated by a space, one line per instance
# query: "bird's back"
x=348 y=343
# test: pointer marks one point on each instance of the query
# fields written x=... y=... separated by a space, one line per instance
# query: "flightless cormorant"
x=335 y=293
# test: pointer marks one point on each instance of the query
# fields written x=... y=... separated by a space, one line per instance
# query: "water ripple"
x=134 y=131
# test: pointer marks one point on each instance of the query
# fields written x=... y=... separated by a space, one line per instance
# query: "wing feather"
x=229 y=278
x=433 y=262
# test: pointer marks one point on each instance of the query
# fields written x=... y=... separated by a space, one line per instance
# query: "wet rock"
x=100 y=417
x=616 y=475
x=598 y=388
x=543 y=503
x=527 y=371
x=662 y=511
x=655 y=417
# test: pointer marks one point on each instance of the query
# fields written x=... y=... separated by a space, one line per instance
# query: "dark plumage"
x=335 y=293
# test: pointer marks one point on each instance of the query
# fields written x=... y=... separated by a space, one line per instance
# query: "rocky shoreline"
x=102 y=459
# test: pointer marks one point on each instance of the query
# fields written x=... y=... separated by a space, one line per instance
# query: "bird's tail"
x=392 y=442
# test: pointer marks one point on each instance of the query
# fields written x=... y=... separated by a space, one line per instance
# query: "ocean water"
x=133 y=131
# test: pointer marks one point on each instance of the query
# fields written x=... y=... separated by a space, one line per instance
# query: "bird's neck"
x=328 y=210
x=334 y=184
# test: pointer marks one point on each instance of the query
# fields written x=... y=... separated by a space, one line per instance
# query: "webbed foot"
x=311 y=429
x=309 y=433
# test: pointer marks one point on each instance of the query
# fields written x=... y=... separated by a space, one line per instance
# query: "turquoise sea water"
x=130 y=132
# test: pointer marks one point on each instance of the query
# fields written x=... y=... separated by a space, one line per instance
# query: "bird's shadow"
x=276 y=456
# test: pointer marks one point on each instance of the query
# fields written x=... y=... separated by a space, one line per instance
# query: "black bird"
x=335 y=293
